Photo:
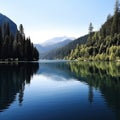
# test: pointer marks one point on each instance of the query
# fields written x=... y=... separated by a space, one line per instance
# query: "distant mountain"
x=56 y=45
x=5 y=19
x=40 y=48
x=44 y=49
x=56 y=40
x=61 y=52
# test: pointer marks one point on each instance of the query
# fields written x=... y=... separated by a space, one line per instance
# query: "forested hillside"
x=16 y=46
x=12 y=25
x=103 y=44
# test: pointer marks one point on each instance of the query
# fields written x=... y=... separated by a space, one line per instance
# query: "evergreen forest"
x=103 y=44
x=16 y=47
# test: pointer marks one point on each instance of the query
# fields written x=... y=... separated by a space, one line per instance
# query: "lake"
x=60 y=91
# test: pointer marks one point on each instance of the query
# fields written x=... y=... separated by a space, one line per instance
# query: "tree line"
x=16 y=47
x=103 y=44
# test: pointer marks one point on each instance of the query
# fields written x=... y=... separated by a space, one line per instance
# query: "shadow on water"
x=13 y=78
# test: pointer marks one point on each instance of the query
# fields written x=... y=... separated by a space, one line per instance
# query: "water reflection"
x=13 y=78
x=70 y=100
x=53 y=70
x=103 y=76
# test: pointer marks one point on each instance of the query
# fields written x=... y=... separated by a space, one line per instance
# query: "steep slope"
x=102 y=45
x=15 y=46
x=5 y=19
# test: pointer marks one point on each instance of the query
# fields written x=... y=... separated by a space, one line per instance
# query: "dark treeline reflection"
x=104 y=76
x=13 y=78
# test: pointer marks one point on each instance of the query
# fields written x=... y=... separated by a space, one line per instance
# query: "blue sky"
x=45 y=19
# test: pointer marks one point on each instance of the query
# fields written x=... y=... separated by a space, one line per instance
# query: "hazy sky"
x=45 y=19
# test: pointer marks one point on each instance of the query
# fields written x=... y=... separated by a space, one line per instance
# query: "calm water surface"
x=60 y=91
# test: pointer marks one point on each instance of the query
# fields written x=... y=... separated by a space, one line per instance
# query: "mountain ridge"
x=65 y=50
x=56 y=40
x=5 y=19
x=43 y=50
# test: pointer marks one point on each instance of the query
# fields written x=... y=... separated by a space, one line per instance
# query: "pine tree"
x=18 y=47
x=21 y=30
x=116 y=23
x=90 y=28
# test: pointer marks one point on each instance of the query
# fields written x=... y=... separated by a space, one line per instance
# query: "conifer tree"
x=116 y=20
x=18 y=47
x=90 y=28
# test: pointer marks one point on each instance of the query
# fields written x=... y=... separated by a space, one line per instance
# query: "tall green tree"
x=90 y=28
x=18 y=47
x=90 y=32
x=116 y=19
x=21 y=30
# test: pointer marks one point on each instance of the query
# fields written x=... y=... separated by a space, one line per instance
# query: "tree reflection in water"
x=13 y=78
x=104 y=76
